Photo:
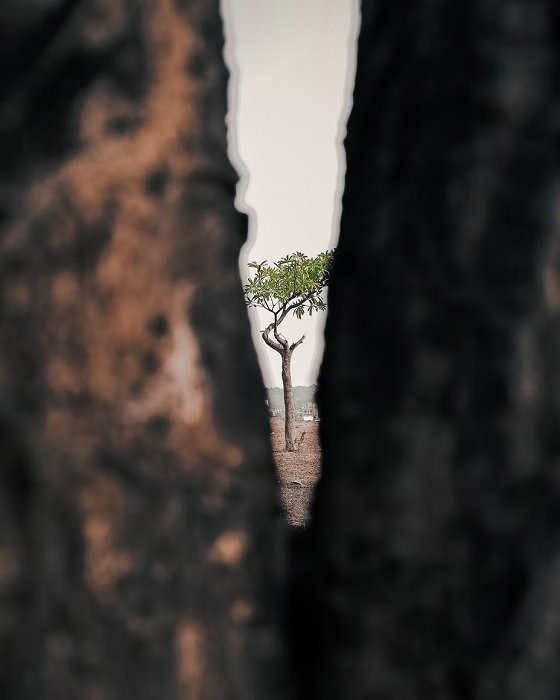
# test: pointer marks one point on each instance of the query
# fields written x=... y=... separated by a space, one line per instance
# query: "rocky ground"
x=297 y=471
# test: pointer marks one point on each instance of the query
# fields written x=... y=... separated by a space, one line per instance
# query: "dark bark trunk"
x=430 y=570
x=289 y=409
x=138 y=540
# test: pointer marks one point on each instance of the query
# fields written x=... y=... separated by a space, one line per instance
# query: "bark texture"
x=137 y=507
x=289 y=410
x=431 y=569
x=286 y=351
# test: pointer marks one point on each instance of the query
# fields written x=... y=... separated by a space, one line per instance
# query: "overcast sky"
x=292 y=65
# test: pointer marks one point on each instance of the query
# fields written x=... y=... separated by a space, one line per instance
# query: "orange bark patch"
x=106 y=562
x=241 y=612
x=229 y=548
x=62 y=377
x=189 y=646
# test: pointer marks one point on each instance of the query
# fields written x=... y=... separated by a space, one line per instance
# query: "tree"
x=295 y=285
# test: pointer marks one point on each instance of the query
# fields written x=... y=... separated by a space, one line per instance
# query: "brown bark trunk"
x=138 y=541
x=289 y=408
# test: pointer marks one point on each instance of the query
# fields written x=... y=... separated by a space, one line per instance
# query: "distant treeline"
x=302 y=395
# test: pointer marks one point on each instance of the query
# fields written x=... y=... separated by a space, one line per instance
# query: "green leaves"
x=293 y=283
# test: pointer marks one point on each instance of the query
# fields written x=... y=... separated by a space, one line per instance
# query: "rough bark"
x=138 y=516
x=289 y=410
x=285 y=350
x=431 y=567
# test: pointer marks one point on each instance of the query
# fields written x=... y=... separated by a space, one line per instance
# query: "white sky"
x=292 y=68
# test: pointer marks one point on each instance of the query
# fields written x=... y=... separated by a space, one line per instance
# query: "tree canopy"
x=292 y=284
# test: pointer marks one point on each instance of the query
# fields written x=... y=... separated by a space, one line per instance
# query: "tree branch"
x=291 y=307
x=268 y=340
x=293 y=346
x=279 y=338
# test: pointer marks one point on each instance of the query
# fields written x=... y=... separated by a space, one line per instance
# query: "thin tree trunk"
x=289 y=408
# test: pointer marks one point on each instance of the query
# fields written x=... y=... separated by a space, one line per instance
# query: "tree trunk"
x=138 y=533
x=431 y=568
x=289 y=408
x=430 y=571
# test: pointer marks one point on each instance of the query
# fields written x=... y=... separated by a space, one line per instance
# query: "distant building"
x=309 y=411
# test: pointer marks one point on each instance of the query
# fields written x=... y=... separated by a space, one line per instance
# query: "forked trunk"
x=289 y=410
